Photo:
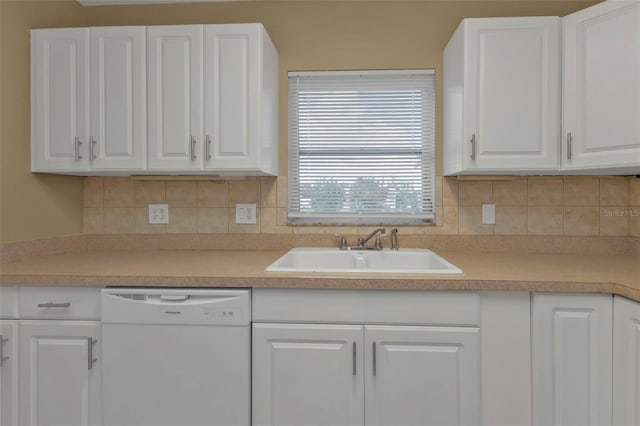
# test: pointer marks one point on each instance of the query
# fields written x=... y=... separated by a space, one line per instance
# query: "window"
x=361 y=147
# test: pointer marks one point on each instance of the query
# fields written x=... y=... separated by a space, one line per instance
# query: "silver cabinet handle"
x=3 y=358
x=354 y=358
x=374 y=358
x=193 y=149
x=207 y=147
x=54 y=305
x=92 y=151
x=90 y=359
x=473 y=146
x=77 y=142
x=569 y=140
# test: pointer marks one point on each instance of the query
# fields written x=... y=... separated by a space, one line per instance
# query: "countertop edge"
x=324 y=282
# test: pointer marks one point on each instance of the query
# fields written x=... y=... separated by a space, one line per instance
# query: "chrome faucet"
x=363 y=241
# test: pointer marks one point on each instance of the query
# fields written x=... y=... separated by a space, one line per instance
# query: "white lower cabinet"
x=572 y=359
x=396 y=358
x=60 y=378
x=626 y=362
x=328 y=374
x=422 y=375
x=307 y=374
x=8 y=373
x=328 y=357
x=60 y=372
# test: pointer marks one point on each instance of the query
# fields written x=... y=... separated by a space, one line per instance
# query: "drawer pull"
x=54 y=305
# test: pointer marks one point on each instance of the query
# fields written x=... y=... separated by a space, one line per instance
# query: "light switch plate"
x=488 y=214
x=158 y=213
x=246 y=213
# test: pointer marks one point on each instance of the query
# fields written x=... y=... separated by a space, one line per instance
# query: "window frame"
x=426 y=216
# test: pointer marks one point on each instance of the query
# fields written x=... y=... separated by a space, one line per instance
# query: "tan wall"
x=309 y=35
x=31 y=205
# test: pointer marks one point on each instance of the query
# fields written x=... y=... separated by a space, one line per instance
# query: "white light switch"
x=246 y=213
x=488 y=214
x=158 y=213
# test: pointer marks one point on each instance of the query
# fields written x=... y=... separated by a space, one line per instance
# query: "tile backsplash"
x=524 y=206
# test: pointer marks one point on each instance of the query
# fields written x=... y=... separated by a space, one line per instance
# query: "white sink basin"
x=403 y=261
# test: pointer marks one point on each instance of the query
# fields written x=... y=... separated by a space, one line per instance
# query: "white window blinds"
x=361 y=147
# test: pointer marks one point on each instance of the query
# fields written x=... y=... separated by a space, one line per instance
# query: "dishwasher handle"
x=174 y=297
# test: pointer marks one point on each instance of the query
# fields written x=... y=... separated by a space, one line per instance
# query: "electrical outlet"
x=246 y=213
x=488 y=214
x=158 y=213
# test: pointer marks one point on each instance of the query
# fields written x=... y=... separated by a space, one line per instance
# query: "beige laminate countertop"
x=203 y=268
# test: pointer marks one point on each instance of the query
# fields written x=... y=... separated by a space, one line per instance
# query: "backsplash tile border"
x=537 y=205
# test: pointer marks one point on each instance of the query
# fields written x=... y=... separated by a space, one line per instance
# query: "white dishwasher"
x=176 y=357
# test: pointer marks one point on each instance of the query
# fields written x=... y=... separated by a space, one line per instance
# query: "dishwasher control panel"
x=176 y=306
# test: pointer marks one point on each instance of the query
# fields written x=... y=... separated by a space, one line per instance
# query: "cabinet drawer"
x=59 y=303
x=8 y=301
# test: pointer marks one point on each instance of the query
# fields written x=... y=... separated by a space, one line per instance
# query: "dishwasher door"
x=176 y=358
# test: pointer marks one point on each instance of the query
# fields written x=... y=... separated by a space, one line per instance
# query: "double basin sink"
x=403 y=261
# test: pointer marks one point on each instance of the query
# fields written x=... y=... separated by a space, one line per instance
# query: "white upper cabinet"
x=88 y=100
x=60 y=99
x=601 y=95
x=241 y=99
x=175 y=97
x=212 y=99
x=180 y=99
x=502 y=96
x=118 y=98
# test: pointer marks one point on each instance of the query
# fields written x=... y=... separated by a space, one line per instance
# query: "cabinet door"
x=8 y=373
x=59 y=99
x=175 y=97
x=512 y=102
x=60 y=377
x=571 y=359
x=118 y=98
x=307 y=375
x=232 y=95
x=626 y=362
x=601 y=87
x=422 y=375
